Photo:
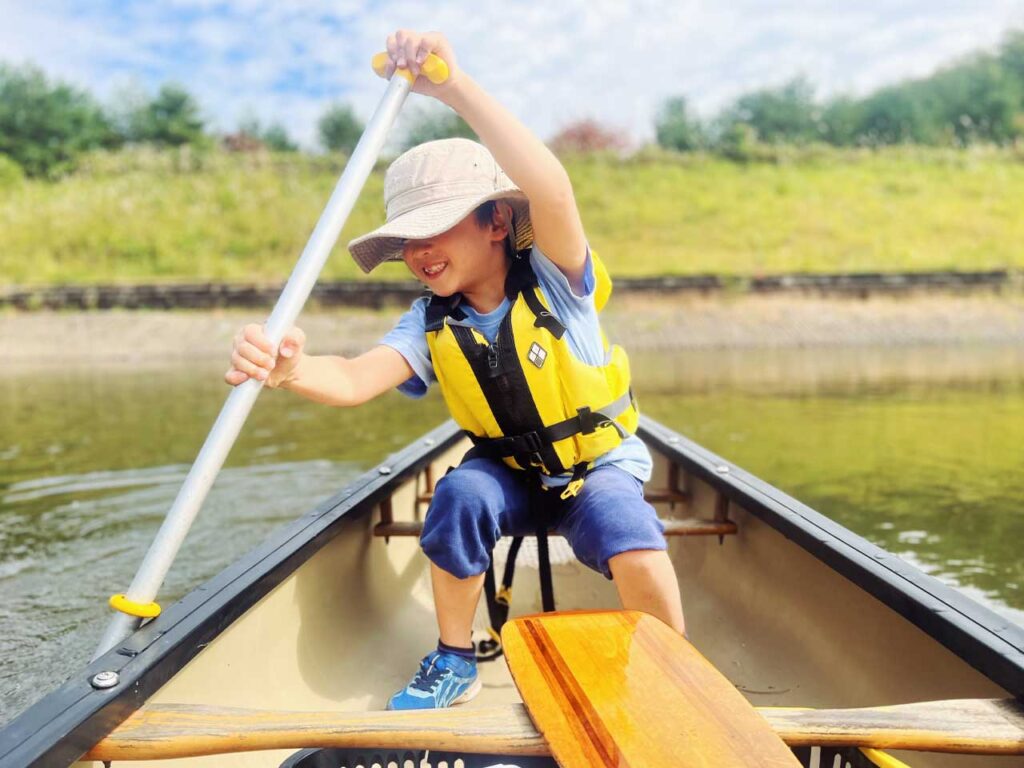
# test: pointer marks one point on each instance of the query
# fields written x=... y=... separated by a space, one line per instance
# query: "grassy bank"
x=141 y=216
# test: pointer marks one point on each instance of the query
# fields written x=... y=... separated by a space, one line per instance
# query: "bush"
x=11 y=174
x=588 y=136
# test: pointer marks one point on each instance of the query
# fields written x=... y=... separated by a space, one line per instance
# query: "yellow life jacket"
x=526 y=398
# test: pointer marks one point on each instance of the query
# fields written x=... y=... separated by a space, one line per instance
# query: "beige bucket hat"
x=431 y=188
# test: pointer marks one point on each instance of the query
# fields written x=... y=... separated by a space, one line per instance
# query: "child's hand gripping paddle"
x=620 y=688
x=137 y=603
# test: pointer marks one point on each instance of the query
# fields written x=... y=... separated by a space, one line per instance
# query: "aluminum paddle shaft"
x=162 y=551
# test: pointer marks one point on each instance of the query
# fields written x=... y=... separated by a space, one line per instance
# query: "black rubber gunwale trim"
x=63 y=725
x=988 y=642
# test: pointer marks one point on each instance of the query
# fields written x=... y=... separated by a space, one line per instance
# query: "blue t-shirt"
x=582 y=332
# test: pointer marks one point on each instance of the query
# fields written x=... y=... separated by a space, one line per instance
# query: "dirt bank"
x=641 y=323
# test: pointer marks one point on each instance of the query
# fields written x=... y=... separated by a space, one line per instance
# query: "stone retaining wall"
x=377 y=294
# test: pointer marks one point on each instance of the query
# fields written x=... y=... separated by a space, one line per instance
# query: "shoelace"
x=429 y=676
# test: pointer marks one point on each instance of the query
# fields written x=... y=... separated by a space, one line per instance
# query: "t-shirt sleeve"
x=555 y=283
x=577 y=312
x=409 y=339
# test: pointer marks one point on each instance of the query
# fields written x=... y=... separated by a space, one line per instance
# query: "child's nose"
x=417 y=248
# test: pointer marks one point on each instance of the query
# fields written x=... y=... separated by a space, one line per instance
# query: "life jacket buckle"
x=532 y=442
x=531 y=445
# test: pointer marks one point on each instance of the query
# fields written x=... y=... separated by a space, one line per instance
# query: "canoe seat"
x=672 y=494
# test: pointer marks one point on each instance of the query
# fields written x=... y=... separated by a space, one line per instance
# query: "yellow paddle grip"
x=434 y=67
x=142 y=610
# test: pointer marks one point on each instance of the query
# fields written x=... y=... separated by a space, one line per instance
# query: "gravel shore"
x=638 y=322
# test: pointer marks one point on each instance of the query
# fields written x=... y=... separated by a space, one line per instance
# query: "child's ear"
x=500 y=219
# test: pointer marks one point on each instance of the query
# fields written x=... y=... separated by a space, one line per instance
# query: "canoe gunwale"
x=988 y=642
x=63 y=725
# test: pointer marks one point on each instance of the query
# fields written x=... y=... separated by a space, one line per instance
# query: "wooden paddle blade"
x=976 y=726
x=181 y=730
x=620 y=688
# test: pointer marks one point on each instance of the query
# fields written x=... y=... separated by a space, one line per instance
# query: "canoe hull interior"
x=788 y=626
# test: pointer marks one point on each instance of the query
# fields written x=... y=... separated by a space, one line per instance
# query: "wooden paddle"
x=620 y=688
x=977 y=726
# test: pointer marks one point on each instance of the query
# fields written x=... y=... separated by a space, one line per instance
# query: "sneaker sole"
x=470 y=693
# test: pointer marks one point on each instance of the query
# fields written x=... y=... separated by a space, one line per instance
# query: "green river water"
x=919 y=450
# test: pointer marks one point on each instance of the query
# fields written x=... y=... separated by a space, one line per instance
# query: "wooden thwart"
x=978 y=726
x=692 y=526
x=619 y=688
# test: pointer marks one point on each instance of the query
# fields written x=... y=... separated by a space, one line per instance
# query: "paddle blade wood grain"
x=620 y=688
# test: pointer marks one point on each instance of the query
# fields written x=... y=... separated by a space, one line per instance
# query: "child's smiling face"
x=460 y=260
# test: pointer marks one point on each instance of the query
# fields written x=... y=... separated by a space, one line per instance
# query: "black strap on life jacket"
x=584 y=422
x=498 y=601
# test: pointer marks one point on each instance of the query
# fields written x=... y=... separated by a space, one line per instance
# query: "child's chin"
x=442 y=288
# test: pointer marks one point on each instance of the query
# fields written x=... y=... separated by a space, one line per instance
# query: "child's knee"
x=462 y=524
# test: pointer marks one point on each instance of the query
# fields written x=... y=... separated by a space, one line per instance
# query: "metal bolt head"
x=673 y=440
x=429 y=441
x=106 y=679
x=384 y=470
x=722 y=469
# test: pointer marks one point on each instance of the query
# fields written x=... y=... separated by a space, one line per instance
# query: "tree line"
x=46 y=125
x=978 y=100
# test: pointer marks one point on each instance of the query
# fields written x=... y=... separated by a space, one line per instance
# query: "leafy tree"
x=276 y=138
x=339 y=128
x=896 y=115
x=841 y=122
x=44 y=126
x=778 y=115
x=436 y=122
x=171 y=119
x=978 y=101
x=676 y=128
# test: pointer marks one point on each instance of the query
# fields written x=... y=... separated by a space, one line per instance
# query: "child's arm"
x=557 y=228
x=326 y=379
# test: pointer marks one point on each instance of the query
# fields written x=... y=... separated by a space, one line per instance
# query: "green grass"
x=140 y=216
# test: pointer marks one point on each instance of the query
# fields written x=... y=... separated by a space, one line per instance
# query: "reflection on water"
x=918 y=450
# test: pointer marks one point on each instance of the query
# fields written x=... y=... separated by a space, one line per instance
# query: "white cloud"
x=550 y=63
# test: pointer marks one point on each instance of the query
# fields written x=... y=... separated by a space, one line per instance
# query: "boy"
x=512 y=337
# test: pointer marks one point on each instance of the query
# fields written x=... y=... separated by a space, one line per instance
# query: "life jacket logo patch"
x=537 y=355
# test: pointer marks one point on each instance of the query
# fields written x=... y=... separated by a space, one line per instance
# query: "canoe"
x=331 y=613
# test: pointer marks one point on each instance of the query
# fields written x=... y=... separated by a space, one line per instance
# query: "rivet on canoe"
x=722 y=469
x=385 y=470
x=102 y=680
x=428 y=441
x=674 y=440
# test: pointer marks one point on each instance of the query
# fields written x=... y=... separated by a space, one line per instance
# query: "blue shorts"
x=483 y=499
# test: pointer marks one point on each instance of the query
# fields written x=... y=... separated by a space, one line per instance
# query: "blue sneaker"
x=443 y=679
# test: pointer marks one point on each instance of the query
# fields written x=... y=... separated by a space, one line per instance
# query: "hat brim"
x=385 y=243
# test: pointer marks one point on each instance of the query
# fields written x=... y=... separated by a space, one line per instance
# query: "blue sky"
x=550 y=62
